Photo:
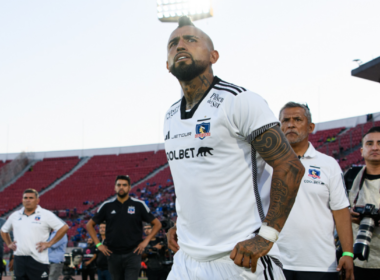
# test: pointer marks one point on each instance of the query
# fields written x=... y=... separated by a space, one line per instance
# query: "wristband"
x=348 y=254
x=268 y=233
x=97 y=245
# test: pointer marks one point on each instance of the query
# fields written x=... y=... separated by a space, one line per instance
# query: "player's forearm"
x=90 y=226
x=60 y=233
x=288 y=170
x=342 y=220
x=6 y=237
x=285 y=183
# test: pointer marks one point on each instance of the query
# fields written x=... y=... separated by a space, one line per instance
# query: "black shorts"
x=27 y=268
x=366 y=273
x=310 y=275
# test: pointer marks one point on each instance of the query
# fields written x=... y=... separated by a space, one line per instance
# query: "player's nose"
x=181 y=46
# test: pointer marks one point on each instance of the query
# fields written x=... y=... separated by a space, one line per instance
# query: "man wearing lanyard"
x=31 y=228
x=57 y=256
x=366 y=190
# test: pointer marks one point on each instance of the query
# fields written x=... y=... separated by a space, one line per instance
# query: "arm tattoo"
x=274 y=148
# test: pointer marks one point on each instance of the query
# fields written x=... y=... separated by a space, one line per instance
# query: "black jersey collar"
x=189 y=115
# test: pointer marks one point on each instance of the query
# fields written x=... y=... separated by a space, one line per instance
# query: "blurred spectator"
x=101 y=260
x=56 y=256
x=88 y=263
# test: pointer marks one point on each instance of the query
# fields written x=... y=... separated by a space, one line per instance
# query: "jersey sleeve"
x=145 y=213
x=7 y=227
x=338 y=192
x=54 y=222
x=100 y=215
x=250 y=115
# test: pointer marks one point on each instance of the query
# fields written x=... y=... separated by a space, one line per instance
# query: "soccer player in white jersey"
x=218 y=138
x=307 y=241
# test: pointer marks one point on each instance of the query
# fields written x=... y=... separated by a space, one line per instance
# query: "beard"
x=122 y=195
x=300 y=138
x=187 y=72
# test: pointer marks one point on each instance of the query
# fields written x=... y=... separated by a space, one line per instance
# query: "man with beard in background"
x=123 y=245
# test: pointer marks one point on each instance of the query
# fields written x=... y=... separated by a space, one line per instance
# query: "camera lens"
x=363 y=238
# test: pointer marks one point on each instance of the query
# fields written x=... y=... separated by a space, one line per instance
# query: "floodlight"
x=172 y=10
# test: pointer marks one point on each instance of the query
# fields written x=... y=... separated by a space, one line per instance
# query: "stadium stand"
x=41 y=176
x=2 y=163
x=94 y=182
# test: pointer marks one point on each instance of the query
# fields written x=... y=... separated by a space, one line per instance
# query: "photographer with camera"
x=365 y=201
x=155 y=253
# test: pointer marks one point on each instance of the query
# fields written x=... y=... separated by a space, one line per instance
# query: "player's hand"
x=41 y=246
x=104 y=249
x=87 y=263
x=13 y=246
x=248 y=252
x=347 y=263
x=158 y=246
x=11 y=265
x=140 y=249
x=172 y=239
x=355 y=217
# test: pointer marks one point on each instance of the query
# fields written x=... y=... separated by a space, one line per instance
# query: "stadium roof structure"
x=369 y=71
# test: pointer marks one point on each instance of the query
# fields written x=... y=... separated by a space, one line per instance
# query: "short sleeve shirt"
x=215 y=169
x=29 y=230
x=307 y=240
x=124 y=223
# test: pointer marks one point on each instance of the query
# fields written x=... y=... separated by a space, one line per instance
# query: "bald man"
x=218 y=138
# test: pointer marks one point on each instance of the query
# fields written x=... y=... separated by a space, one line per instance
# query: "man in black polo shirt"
x=124 y=244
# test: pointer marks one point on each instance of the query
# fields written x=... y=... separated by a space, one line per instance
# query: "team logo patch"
x=131 y=210
x=202 y=130
x=315 y=174
x=37 y=218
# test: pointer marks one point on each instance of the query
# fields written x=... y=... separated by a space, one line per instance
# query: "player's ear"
x=167 y=66
x=214 y=56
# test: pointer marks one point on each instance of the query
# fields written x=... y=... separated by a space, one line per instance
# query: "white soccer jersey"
x=32 y=229
x=216 y=169
x=307 y=240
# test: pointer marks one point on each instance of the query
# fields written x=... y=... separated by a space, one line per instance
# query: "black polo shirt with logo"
x=124 y=223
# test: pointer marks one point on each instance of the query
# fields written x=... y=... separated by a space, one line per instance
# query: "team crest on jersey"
x=202 y=130
x=314 y=173
x=37 y=218
x=131 y=210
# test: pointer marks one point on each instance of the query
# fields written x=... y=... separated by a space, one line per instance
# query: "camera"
x=369 y=216
x=72 y=260
x=153 y=250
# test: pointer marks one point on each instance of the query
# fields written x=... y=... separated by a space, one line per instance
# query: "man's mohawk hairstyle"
x=184 y=21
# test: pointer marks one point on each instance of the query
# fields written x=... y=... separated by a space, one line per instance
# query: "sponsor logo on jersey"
x=113 y=212
x=131 y=210
x=189 y=153
x=172 y=112
x=37 y=218
x=215 y=100
x=202 y=130
x=313 y=182
x=44 y=275
x=314 y=173
x=167 y=137
x=181 y=135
